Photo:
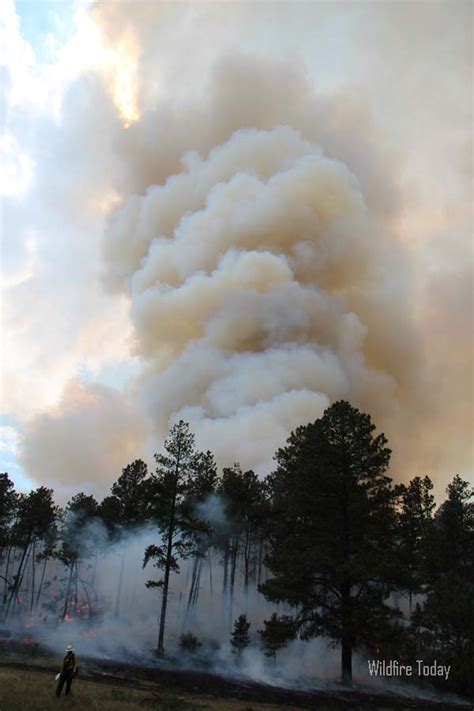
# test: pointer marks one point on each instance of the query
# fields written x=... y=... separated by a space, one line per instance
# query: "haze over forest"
x=265 y=579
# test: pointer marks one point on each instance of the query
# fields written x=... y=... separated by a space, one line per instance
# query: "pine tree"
x=276 y=634
x=36 y=515
x=242 y=495
x=416 y=532
x=131 y=492
x=8 y=511
x=240 y=638
x=7 y=508
x=175 y=520
x=125 y=510
x=201 y=486
x=77 y=545
x=455 y=531
x=443 y=624
x=331 y=530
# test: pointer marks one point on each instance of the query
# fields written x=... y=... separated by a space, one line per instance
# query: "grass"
x=34 y=691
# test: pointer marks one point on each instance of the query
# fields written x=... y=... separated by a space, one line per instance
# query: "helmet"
x=69 y=648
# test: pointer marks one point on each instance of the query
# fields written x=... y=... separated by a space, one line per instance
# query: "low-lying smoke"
x=115 y=617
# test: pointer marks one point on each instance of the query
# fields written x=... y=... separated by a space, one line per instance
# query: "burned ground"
x=167 y=680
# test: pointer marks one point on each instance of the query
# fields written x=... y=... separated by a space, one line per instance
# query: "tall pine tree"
x=179 y=531
x=331 y=530
x=416 y=533
x=443 y=624
x=125 y=510
x=36 y=514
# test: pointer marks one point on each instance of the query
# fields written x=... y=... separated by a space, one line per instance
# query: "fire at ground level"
x=165 y=677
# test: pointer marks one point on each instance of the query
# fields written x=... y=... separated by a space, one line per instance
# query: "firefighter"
x=68 y=671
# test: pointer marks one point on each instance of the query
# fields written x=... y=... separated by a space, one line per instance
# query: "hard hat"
x=69 y=648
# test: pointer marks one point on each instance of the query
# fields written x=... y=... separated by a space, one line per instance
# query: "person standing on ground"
x=68 y=671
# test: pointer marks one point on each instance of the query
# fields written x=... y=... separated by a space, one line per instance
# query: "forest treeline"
x=375 y=566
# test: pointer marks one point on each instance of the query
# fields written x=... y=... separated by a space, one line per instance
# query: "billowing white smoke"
x=254 y=276
x=261 y=287
x=91 y=432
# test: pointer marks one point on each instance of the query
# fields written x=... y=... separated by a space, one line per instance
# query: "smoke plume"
x=289 y=224
x=86 y=438
x=261 y=291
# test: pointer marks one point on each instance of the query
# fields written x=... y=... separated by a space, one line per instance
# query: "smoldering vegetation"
x=297 y=578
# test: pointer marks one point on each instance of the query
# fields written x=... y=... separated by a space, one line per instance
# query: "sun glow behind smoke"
x=119 y=61
x=123 y=63
x=116 y=61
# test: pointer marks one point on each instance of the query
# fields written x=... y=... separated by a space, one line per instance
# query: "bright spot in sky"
x=124 y=81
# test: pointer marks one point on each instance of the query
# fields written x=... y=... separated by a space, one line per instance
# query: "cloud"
x=9 y=440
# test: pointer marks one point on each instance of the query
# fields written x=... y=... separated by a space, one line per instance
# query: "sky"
x=233 y=213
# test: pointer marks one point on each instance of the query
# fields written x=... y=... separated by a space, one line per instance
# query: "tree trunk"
x=346 y=601
x=260 y=559
x=68 y=590
x=75 y=587
x=233 y=567
x=33 y=571
x=178 y=611
x=41 y=584
x=235 y=553
x=160 y=650
x=197 y=584
x=5 y=586
x=169 y=554
x=247 y=550
x=95 y=568
x=16 y=580
x=226 y=568
x=86 y=593
x=192 y=586
x=346 y=661
x=346 y=635
x=120 y=580
x=210 y=571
